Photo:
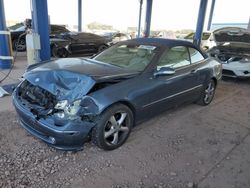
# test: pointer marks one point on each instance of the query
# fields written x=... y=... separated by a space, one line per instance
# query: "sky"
x=166 y=14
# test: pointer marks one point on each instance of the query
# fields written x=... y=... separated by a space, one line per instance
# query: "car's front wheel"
x=59 y=52
x=208 y=93
x=113 y=127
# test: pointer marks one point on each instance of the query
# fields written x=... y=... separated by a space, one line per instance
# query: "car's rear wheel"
x=208 y=93
x=113 y=127
x=19 y=45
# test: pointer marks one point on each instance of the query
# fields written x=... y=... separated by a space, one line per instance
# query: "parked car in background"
x=18 y=35
x=56 y=30
x=207 y=40
x=75 y=43
x=66 y=101
x=233 y=50
x=114 y=37
x=118 y=37
x=164 y=34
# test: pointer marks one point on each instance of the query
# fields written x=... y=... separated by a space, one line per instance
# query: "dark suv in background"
x=18 y=35
x=77 y=43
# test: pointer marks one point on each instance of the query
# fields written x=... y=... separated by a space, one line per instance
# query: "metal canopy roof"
x=40 y=22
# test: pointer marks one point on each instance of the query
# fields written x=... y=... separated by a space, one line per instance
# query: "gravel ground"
x=190 y=146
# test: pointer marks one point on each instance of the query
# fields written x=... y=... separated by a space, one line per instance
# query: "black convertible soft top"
x=164 y=42
x=167 y=43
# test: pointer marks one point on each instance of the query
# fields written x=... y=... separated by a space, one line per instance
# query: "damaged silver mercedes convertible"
x=66 y=102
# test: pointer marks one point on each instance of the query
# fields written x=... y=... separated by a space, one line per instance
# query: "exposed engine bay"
x=39 y=101
x=230 y=52
x=43 y=103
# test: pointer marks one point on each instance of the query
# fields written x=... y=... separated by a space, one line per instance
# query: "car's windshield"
x=130 y=56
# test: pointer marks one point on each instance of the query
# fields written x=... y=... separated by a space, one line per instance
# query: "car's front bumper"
x=70 y=136
x=236 y=73
x=236 y=70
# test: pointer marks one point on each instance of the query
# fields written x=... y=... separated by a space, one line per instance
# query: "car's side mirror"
x=164 y=71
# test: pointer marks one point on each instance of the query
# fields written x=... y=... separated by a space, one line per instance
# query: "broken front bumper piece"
x=69 y=136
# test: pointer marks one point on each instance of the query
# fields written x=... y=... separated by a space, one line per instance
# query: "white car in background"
x=236 y=68
x=207 y=40
x=233 y=50
x=118 y=37
x=165 y=34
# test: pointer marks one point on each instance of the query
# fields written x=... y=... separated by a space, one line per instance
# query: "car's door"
x=75 y=45
x=198 y=64
x=81 y=43
x=94 y=42
x=166 y=91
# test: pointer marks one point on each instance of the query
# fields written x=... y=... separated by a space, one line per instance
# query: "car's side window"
x=175 y=57
x=195 y=55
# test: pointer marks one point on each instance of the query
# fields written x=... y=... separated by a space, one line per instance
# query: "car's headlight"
x=68 y=110
x=72 y=108
x=61 y=105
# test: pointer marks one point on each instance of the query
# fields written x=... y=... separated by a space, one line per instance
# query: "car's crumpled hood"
x=90 y=67
x=71 y=78
x=62 y=84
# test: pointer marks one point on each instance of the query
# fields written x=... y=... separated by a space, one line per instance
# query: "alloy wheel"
x=209 y=92
x=20 y=45
x=116 y=129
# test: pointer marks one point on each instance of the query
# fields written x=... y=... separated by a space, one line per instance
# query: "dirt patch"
x=186 y=147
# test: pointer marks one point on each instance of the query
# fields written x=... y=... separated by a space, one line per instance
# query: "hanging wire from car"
x=7 y=75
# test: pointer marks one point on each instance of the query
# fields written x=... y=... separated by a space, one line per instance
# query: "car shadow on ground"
x=237 y=80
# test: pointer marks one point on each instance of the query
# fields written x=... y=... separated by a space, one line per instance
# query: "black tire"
x=60 y=52
x=207 y=94
x=101 y=48
x=19 y=45
x=53 y=51
x=14 y=44
x=113 y=127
